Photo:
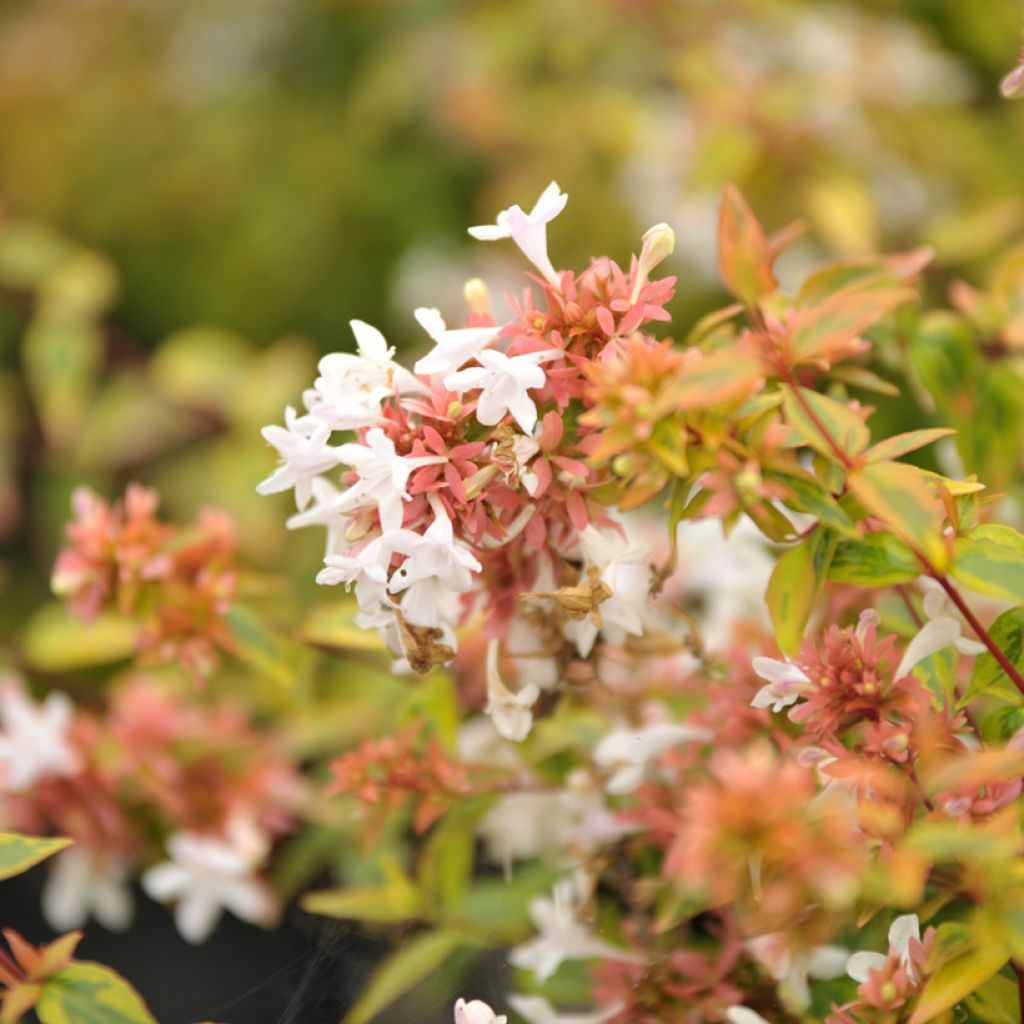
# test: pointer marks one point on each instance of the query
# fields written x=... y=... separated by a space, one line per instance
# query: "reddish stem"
x=983 y=634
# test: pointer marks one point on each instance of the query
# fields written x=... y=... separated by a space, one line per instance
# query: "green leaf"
x=396 y=901
x=402 y=971
x=991 y=562
x=54 y=640
x=88 y=993
x=817 y=418
x=879 y=560
x=793 y=586
x=18 y=853
x=259 y=647
x=807 y=495
x=899 y=495
x=987 y=677
x=957 y=979
x=995 y=1002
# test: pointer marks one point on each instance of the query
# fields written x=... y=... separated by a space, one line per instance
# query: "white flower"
x=509 y=711
x=367 y=570
x=452 y=348
x=529 y=230
x=792 y=970
x=626 y=571
x=629 y=751
x=34 y=741
x=743 y=1015
x=435 y=561
x=901 y=932
x=350 y=388
x=383 y=476
x=207 y=875
x=537 y=1010
x=562 y=935
x=324 y=511
x=305 y=453
x=942 y=630
x=503 y=382
x=786 y=683
x=476 y=1012
x=84 y=884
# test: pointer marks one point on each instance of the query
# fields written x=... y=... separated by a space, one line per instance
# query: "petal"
x=196 y=917
x=860 y=965
x=932 y=638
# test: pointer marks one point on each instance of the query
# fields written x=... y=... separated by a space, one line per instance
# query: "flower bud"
x=476 y=1012
x=477 y=297
x=659 y=243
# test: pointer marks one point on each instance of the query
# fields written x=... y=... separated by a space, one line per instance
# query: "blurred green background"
x=197 y=196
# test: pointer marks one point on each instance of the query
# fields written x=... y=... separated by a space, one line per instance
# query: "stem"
x=983 y=634
x=819 y=426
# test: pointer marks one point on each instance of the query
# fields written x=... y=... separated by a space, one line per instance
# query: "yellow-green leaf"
x=821 y=421
x=791 y=591
x=991 y=562
x=56 y=641
x=955 y=980
x=402 y=971
x=88 y=993
x=877 y=560
x=898 y=495
x=901 y=444
x=18 y=853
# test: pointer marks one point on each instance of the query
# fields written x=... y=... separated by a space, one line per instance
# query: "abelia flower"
x=503 y=382
x=629 y=751
x=510 y=712
x=348 y=393
x=83 y=883
x=305 y=453
x=452 y=348
x=207 y=875
x=529 y=230
x=382 y=477
x=562 y=935
x=35 y=738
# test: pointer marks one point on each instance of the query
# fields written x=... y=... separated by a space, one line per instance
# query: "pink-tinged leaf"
x=724 y=376
x=745 y=255
x=829 y=330
x=901 y=444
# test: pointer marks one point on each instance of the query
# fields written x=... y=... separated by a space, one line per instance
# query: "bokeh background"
x=197 y=196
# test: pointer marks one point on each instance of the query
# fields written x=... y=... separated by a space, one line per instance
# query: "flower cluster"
x=468 y=487
x=190 y=797
x=178 y=584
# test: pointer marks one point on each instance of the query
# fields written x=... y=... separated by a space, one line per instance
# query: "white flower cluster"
x=365 y=520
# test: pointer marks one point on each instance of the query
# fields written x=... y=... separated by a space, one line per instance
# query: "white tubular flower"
x=537 y=1010
x=902 y=931
x=628 y=575
x=325 y=511
x=383 y=476
x=476 y=1012
x=628 y=752
x=786 y=682
x=792 y=970
x=562 y=935
x=350 y=388
x=436 y=565
x=452 y=348
x=367 y=571
x=529 y=230
x=510 y=712
x=34 y=742
x=207 y=875
x=503 y=382
x=940 y=631
x=305 y=453
x=83 y=884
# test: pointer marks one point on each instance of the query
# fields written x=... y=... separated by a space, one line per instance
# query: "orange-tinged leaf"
x=820 y=421
x=745 y=255
x=723 y=376
x=899 y=495
x=900 y=444
x=827 y=330
x=978 y=768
